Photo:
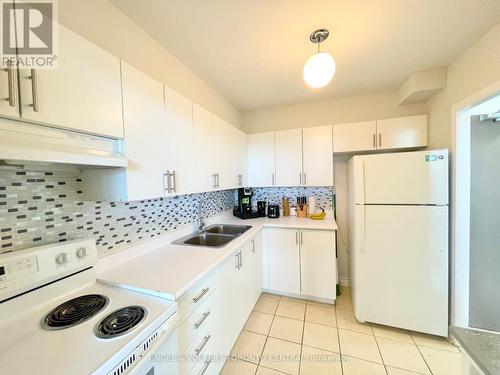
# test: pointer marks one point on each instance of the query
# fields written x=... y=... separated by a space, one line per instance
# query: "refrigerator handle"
x=362 y=246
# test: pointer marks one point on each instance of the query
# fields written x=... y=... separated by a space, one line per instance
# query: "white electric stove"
x=57 y=319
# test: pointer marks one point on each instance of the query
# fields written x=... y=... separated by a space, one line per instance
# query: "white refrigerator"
x=398 y=239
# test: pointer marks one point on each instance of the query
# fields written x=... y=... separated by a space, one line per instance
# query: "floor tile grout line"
x=380 y=353
x=340 y=345
x=415 y=343
x=267 y=336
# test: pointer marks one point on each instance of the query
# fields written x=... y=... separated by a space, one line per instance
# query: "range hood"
x=23 y=144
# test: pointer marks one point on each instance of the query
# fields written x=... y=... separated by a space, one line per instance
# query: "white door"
x=83 y=93
x=406 y=178
x=203 y=149
x=317 y=263
x=317 y=156
x=145 y=134
x=402 y=132
x=178 y=147
x=284 y=260
x=402 y=268
x=355 y=136
x=261 y=159
x=289 y=157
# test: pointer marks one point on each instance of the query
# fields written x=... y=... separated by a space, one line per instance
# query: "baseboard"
x=344 y=281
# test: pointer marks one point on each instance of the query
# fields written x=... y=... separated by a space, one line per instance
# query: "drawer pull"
x=199 y=349
x=200 y=322
x=200 y=296
x=205 y=367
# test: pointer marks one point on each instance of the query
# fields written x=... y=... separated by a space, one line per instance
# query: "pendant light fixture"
x=320 y=67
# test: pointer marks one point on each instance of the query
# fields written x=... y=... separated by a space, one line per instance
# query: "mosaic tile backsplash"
x=38 y=207
x=324 y=195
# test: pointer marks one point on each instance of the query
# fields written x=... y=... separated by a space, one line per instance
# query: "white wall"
x=103 y=24
x=357 y=108
x=484 y=223
x=474 y=69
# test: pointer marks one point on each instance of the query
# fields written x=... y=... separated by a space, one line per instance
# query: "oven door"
x=162 y=357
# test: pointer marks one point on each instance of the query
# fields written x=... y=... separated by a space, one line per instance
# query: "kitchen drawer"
x=202 y=347
x=205 y=367
x=196 y=295
x=204 y=316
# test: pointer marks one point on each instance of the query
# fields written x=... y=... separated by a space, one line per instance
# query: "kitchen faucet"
x=199 y=224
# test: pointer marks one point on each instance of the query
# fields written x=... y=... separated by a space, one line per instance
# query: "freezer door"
x=405 y=178
x=402 y=268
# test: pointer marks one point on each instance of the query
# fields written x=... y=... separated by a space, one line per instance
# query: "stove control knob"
x=81 y=252
x=62 y=258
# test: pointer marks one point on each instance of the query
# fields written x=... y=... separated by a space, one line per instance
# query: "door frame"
x=460 y=202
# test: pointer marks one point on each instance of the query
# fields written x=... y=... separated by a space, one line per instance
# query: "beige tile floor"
x=289 y=336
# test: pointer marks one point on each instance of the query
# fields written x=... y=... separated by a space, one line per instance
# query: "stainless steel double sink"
x=215 y=236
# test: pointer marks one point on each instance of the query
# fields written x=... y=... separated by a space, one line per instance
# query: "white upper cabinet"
x=145 y=135
x=222 y=152
x=178 y=145
x=240 y=158
x=203 y=136
x=261 y=161
x=402 y=132
x=355 y=136
x=317 y=156
x=288 y=146
x=83 y=93
x=394 y=133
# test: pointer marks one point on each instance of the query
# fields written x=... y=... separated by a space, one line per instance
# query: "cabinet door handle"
x=206 y=339
x=166 y=176
x=205 y=367
x=296 y=238
x=34 y=90
x=374 y=140
x=305 y=178
x=379 y=139
x=240 y=180
x=200 y=296
x=253 y=246
x=273 y=179
x=241 y=259
x=218 y=185
x=300 y=178
x=237 y=258
x=174 y=184
x=202 y=319
x=214 y=182
x=301 y=238
x=11 y=77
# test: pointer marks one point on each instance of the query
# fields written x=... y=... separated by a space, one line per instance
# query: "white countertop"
x=163 y=269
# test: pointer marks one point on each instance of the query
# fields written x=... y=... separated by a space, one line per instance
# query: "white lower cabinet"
x=317 y=263
x=300 y=262
x=284 y=260
x=212 y=313
x=240 y=287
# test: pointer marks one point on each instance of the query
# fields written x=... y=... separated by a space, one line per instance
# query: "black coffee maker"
x=244 y=208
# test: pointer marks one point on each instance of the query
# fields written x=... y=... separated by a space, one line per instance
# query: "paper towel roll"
x=312 y=205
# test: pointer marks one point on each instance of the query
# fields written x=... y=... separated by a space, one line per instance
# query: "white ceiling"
x=253 y=51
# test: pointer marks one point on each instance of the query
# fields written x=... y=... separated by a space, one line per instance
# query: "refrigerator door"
x=404 y=178
x=402 y=267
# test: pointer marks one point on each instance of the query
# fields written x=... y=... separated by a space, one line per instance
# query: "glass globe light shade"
x=319 y=69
